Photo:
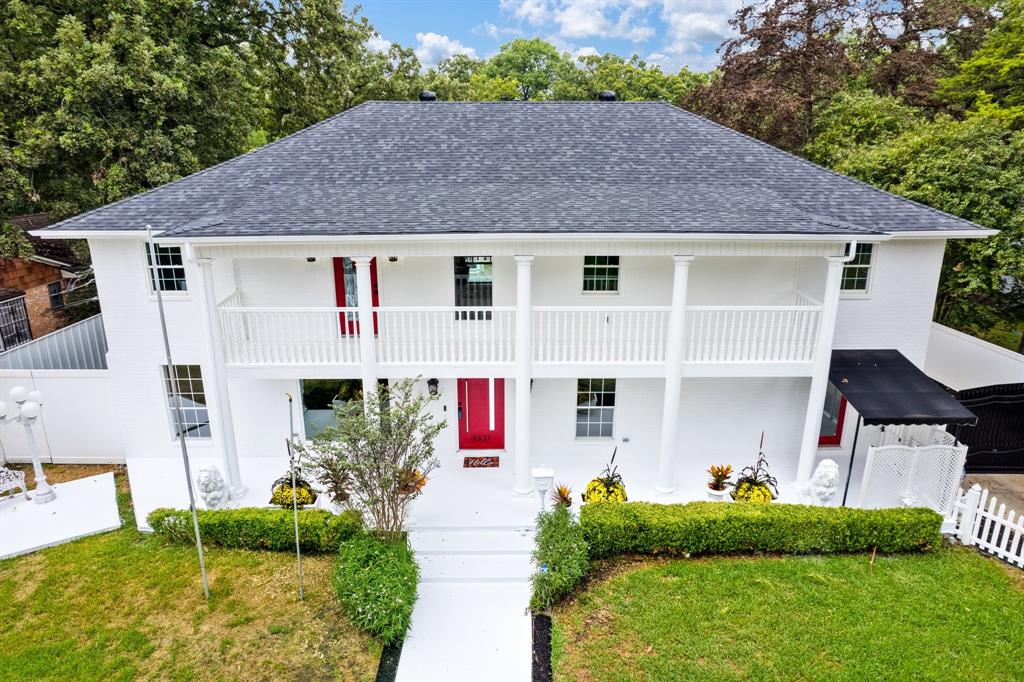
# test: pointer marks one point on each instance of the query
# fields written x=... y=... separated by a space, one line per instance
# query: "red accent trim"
x=837 y=437
x=474 y=415
x=351 y=327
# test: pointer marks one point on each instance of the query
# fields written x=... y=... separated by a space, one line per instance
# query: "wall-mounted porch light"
x=432 y=386
x=310 y=259
x=392 y=259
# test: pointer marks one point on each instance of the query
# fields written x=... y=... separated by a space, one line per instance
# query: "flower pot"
x=718 y=495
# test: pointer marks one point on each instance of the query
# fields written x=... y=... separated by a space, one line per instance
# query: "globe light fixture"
x=29 y=406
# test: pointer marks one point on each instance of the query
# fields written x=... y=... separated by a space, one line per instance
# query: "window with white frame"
x=166 y=268
x=595 y=408
x=185 y=390
x=601 y=274
x=856 y=273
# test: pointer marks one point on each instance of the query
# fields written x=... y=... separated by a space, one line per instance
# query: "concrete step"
x=491 y=567
x=472 y=541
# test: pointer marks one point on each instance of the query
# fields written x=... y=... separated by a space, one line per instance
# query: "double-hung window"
x=56 y=294
x=595 y=408
x=166 y=268
x=856 y=273
x=186 y=396
x=601 y=274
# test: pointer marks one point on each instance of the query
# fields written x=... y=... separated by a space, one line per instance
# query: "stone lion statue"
x=823 y=485
x=211 y=487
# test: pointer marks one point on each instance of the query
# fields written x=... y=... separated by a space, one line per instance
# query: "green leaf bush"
x=320 y=531
x=562 y=549
x=375 y=581
x=716 y=528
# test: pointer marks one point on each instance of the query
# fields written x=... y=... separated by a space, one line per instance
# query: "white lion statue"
x=823 y=485
x=211 y=487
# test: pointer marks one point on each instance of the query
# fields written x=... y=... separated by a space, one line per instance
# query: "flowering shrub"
x=282 y=496
x=375 y=581
x=752 y=492
x=599 y=490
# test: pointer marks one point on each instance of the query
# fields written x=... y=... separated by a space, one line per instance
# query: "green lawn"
x=951 y=615
x=123 y=606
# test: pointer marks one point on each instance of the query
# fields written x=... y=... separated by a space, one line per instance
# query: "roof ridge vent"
x=428 y=96
x=606 y=96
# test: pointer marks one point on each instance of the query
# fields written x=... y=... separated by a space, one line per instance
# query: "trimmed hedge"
x=375 y=581
x=562 y=549
x=743 y=528
x=255 y=528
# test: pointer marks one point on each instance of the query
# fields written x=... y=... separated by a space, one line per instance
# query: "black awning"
x=886 y=388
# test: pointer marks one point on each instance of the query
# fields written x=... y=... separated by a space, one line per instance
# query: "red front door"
x=481 y=414
x=346 y=295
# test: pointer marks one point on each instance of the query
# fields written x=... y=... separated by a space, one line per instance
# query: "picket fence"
x=994 y=529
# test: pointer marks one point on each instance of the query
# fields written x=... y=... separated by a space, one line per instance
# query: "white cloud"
x=693 y=28
x=378 y=43
x=496 y=32
x=588 y=51
x=533 y=12
x=603 y=19
x=432 y=48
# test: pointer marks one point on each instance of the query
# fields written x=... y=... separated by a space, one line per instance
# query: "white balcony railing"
x=445 y=335
x=599 y=335
x=290 y=336
x=486 y=335
x=751 y=334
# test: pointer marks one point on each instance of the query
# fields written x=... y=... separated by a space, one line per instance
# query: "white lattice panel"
x=912 y=476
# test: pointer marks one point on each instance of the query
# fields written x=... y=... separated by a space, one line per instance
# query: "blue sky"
x=670 y=33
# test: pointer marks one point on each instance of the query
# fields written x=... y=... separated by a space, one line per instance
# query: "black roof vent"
x=606 y=96
x=428 y=96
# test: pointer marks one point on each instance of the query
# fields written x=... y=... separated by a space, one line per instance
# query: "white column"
x=224 y=422
x=674 y=347
x=367 y=340
x=819 y=377
x=523 y=349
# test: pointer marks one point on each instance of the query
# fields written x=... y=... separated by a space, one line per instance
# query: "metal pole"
x=179 y=418
x=295 y=497
x=853 y=453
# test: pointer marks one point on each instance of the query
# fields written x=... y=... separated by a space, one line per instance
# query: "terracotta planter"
x=718 y=495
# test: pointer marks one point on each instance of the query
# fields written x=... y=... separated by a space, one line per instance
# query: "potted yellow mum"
x=608 y=487
x=754 y=483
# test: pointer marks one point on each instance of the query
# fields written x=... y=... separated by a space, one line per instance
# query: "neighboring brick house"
x=32 y=289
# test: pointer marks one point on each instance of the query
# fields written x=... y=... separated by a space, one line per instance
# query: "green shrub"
x=256 y=528
x=717 y=528
x=375 y=581
x=562 y=555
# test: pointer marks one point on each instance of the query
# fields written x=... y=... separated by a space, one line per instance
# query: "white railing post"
x=674 y=352
x=367 y=340
x=218 y=378
x=965 y=528
x=819 y=377
x=523 y=353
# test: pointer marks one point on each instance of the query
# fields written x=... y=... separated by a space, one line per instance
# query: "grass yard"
x=949 y=615
x=122 y=606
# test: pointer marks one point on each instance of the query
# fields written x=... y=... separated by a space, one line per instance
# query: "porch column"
x=523 y=354
x=224 y=423
x=367 y=340
x=822 y=361
x=665 y=483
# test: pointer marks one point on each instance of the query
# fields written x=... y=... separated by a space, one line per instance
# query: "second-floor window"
x=595 y=408
x=601 y=274
x=166 y=268
x=184 y=386
x=856 y=273
x=474 y=286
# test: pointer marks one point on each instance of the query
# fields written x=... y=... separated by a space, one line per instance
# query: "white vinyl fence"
x=995 y=529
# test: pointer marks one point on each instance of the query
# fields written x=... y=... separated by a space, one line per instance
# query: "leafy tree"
x=856 y=118
x=789 y=57
x=534 y=64
x=991 y=81
x=631 y=80
x=973 y=169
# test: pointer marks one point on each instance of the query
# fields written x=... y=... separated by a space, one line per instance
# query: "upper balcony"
x=774 y=339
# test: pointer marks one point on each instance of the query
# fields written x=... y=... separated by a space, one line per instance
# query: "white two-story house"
x=568 y=277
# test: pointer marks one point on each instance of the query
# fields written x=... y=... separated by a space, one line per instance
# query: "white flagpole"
x=295 y=497
x=178 y=417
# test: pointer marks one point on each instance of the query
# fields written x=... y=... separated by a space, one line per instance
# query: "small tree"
x=378 y=455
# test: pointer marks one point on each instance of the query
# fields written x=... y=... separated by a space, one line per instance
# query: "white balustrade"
x=290 y=336
x=446 y=335
x=599 y=334
x=751 y=334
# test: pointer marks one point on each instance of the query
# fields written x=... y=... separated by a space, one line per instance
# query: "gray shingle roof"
x=522 y=167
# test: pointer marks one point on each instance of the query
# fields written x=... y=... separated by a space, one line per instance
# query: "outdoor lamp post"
x=543 y=482
x=29 y=404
